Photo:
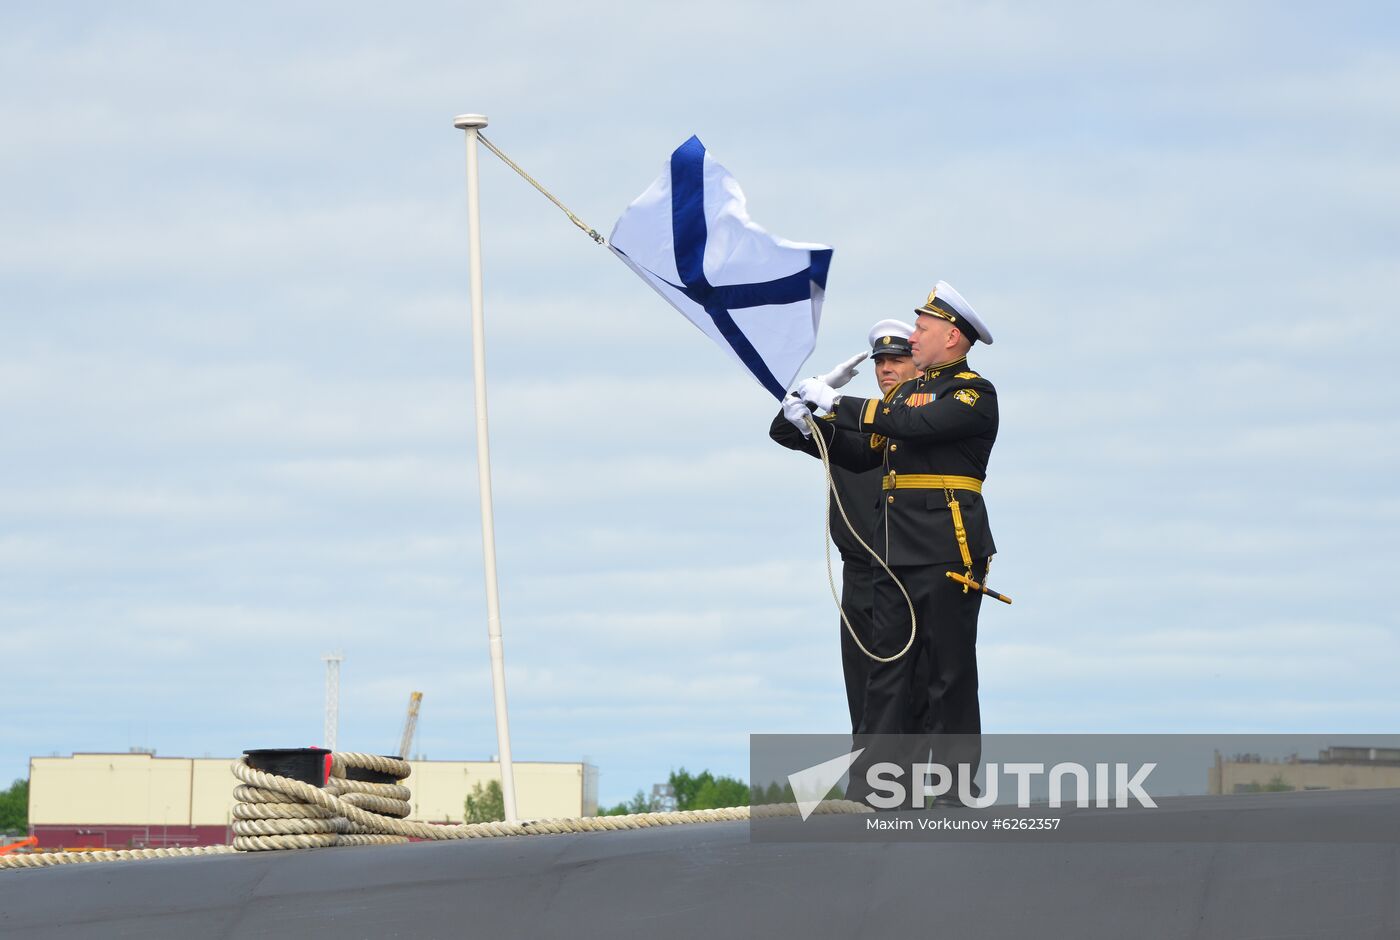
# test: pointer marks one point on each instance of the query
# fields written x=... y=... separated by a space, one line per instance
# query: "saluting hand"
x=843 y=373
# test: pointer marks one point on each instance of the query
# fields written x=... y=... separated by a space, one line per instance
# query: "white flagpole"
x=472 y=124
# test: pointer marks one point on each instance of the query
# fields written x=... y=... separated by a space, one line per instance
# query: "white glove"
x=816 y=392
x=843 y=373
x=797 y=413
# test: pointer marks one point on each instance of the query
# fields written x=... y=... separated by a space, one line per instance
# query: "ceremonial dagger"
x=967 y=582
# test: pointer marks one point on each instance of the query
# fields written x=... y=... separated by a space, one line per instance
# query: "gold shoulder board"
x=967 y=396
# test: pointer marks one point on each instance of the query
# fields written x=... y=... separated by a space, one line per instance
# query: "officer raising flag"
x=932 y=438
x=929 y=436
x=859 y=495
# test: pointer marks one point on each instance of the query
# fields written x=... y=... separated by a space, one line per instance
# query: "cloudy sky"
x=235 y=366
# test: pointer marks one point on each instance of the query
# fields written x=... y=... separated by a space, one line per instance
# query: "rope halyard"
x=275 y=813
x=831 y=579
x=592 y=233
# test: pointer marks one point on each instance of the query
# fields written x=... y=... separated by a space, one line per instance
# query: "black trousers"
x=938 y=673
x=858 y=600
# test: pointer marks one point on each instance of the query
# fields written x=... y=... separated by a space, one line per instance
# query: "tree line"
x=692 y=791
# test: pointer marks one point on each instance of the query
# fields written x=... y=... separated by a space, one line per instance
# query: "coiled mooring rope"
x=276 y=813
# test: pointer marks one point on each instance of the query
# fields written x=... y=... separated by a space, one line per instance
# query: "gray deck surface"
x=711 y=881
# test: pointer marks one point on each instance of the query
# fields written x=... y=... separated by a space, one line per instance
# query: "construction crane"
x=410 y=724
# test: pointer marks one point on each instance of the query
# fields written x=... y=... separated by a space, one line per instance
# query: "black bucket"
x=307 y=764
x=372 y=776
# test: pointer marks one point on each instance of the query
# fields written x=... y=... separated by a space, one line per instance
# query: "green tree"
x=693 y=791
x=640 y=803
x=706 y=791
x=687 y=786
x=486 y=804
x=773 y=794
x=720 y=793
x=14 y=807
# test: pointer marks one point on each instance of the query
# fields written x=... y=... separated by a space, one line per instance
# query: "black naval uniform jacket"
x=942 y=422
x=859 y=492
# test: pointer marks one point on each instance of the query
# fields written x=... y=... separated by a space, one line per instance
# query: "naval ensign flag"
x=759 y=296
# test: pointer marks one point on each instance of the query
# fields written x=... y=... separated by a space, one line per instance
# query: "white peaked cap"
x=890 y=328
x=944 y=300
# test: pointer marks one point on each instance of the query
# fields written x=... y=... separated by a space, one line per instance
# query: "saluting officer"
x=861 y=495
x=932 y=437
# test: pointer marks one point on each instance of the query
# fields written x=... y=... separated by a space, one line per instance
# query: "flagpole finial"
x=464 y=121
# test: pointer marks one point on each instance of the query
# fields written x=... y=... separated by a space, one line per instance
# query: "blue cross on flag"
x=758 y=296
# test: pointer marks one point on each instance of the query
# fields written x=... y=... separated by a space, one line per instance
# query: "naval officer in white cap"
x=932 y=439
x=861 y=495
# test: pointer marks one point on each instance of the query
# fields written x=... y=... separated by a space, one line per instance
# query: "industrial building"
x=139 y=800
x=1334 y=768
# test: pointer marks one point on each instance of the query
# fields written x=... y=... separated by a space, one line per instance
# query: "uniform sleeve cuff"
x=856 y=414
